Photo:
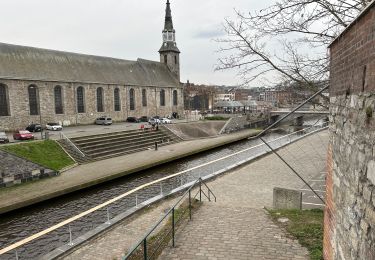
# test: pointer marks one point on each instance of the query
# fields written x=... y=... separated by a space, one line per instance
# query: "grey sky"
x=127 y=29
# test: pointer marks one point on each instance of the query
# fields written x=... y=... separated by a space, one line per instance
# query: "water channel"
x=23 y=223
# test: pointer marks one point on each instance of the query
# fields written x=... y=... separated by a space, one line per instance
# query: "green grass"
x=306 y=226
x=46 y=153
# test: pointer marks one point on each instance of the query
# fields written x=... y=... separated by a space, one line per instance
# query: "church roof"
x=29 y=63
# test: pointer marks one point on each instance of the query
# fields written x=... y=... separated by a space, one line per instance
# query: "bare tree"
x=301 y=29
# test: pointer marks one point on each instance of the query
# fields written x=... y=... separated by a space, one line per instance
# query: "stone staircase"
x=103 y=146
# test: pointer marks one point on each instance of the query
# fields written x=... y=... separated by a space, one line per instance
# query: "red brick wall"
x=328 y=212
x=354 y=50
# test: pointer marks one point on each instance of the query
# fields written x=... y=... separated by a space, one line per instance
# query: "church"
x=41 y=86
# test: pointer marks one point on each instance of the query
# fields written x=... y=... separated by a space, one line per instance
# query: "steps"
x=103 y=146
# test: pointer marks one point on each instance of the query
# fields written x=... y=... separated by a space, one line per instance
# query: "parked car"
x=34 y=128
x=4 y=138
x=154 y=121
x=54 y=126
x=132 y=119
x=23 y=135
x=165 y=120
x=143 y=119
x=103 y=120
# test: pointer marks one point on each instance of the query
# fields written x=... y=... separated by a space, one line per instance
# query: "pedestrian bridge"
x=301 y=112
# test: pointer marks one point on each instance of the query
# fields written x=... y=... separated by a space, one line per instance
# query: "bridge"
x=307 y=112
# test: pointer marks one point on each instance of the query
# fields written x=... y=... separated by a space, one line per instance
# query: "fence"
x=143 y=248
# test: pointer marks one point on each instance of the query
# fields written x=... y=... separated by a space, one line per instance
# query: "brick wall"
x=350 y=211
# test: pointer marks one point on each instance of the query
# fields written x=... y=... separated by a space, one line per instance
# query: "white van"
x=103 y=120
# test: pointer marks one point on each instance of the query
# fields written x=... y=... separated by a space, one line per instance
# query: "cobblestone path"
x=233 y=233
x=237 y=226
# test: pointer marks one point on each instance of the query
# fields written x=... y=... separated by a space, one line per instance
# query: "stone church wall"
x=350 y=201
x=20 y=112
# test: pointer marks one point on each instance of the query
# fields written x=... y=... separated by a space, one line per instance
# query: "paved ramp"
x=194 y=130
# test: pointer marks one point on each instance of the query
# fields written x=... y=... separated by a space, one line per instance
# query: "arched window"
x=175 y=97
x=144 y=98
x=33 y=100
x=99 y=100
x=59 y=107
x=162 y=97
x=4 y=106
x=116 y=97
x=131 y=99
x=80 y=100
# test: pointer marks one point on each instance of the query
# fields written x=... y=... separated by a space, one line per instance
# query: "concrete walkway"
x=236 y=226
x=94 y=173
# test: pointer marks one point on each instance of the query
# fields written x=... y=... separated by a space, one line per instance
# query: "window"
x=175 y=59
x=33 y=100
x=162 y=97
x=175 y=97
x=80 y=100
x=165 y=59
x=99 y=100
x=144 y=98
x=131 y=99
x=59 y=108
x=116 y=97
x=4 y=111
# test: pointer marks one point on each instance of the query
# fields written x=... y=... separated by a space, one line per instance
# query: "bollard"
x=156 y=146
x=161 y=189
x=17 y=255
x=70 y=237
x=108 y=217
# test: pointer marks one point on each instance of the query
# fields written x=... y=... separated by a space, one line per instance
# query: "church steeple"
x=169 y=53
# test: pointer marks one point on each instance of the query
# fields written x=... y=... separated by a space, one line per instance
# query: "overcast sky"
x=126 y=29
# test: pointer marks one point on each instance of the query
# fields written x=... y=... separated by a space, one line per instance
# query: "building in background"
x=39 y=85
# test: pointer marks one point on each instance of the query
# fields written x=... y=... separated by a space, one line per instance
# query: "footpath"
x=235 y=227
x=87 y=175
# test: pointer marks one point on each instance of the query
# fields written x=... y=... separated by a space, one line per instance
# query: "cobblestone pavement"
x=233 y=233
x=236 y=226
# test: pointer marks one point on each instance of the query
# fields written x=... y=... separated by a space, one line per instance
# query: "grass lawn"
x=46 y=153
x=306 y=226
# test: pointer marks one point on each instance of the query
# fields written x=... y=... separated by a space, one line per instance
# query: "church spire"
x=169 y=53
x=168 y=25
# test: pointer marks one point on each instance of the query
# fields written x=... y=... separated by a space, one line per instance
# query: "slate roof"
x=29 y=63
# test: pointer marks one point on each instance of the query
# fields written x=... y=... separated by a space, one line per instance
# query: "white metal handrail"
x=64 y=137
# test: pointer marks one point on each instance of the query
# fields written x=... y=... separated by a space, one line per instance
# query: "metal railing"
x=71 y=144
x=107 y=210
x=143 y=248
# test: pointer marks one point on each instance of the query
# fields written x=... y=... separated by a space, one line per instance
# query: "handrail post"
x=200 y=190
x=190 y=203
x=145 y=248
x=173 y=227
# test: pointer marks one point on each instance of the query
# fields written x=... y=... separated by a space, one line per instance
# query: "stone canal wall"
x=350 y=202
x=16 y=170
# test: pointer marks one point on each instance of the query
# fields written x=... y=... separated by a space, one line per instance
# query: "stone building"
x=350 y=204
x=39 y=85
